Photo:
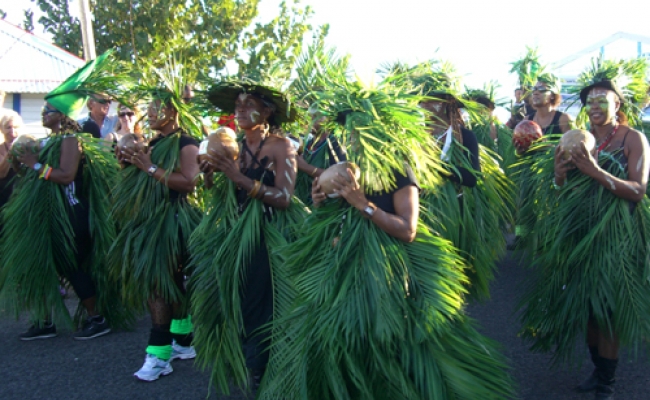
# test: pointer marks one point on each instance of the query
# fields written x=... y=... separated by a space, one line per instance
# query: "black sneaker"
x=34 y=332
x=94 y=327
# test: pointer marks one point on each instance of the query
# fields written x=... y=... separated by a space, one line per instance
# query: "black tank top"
x=257 y=171
x=554 y=127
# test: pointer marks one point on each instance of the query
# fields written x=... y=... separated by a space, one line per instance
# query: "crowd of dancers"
x=321 y=240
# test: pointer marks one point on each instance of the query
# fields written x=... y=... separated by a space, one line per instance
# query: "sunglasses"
x=541 y=89
x=102 y=101
x=48 y=110
x=126 y=114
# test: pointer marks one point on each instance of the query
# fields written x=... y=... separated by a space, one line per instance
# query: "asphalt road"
x=62 y=368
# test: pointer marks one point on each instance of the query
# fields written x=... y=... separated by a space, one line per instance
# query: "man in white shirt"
x=98 y=105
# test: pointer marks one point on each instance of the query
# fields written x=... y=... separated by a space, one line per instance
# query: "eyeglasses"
x=126 y=114
x=541 y=89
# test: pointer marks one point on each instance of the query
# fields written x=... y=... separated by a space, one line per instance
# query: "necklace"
x=607 y=139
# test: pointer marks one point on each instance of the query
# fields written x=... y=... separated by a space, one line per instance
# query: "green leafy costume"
x=52 y=230
x=588 y=248
x=377 y=318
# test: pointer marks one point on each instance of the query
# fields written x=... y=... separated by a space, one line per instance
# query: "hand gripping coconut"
x=220 y=143
x=326 y=179
x=525 y=133
x=131 y=142
x=574 y=139
x=23 y=144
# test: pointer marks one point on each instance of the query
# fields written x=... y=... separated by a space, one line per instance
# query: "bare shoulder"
x=635 y=139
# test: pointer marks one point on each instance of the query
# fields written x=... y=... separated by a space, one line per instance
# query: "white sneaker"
x=152 y=369
x=182 y=352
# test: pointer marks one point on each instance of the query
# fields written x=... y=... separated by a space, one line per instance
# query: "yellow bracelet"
x=255 y=189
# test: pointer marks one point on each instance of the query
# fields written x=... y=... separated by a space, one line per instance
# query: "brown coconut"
x=132 y=142
x=23 y=144
x=326 y=179
x=574 y=138
x=222 y=143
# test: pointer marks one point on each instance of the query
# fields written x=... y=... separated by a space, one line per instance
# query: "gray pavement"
x=64 y=369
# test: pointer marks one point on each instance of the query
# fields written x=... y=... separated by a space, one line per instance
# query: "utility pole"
x=87 y=30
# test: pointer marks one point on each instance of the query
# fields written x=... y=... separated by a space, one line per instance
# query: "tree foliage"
x=203 y=33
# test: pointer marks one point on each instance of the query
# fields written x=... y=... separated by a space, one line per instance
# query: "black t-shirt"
x=384 y=200
x=185 y=140
x=464 y=176
x=90 y=126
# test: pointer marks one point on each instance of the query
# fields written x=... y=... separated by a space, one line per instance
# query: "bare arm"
x=566 y=123
x=307 y=168
x=403 y=224
x=632 y=189
x=183 y=181
x=283 y=158
x=68 y=163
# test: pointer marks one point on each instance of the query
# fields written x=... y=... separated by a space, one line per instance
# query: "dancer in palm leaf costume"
x=321 y=151
x=379 y=307
x=527 y=70
x=591 y=280
x=60 y=202
x=237 y=289
x=155 y=220
x=477 y=197
x=546 y=99
x=491 y=133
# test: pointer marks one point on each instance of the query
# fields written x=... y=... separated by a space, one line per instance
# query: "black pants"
x=78 y=275
x=257 y=308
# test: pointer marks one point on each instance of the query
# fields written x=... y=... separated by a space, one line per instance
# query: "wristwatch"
x=37 y=167
x=152 y=170
x=369 y=211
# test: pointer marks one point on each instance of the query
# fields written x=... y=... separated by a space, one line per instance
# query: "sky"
x=480 y=37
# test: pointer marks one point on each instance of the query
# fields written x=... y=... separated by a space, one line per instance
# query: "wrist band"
x=555 y=185
x=45 y=174
x=255 y=189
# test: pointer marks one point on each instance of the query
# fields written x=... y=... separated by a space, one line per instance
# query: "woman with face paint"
x=593 y=274
x=249 y=216
x=546 y=98
x=156 y=219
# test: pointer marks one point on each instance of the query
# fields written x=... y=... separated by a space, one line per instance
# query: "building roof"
x=29 y=64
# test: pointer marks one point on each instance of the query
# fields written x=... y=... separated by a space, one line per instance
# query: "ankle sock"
x=181 y=330
x=162 y=352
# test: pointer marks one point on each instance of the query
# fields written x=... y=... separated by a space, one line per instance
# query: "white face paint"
x=255 y=117
x=639 y=164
